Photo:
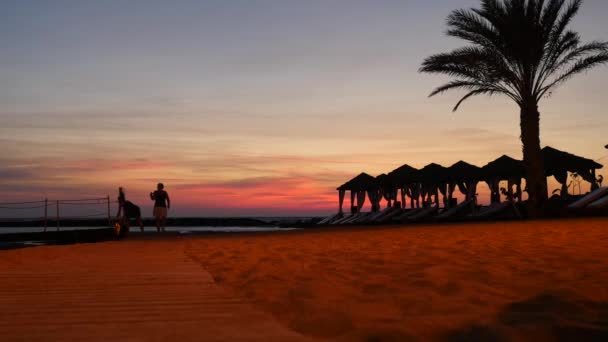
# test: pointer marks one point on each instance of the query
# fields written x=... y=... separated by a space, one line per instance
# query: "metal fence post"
x=109 y=215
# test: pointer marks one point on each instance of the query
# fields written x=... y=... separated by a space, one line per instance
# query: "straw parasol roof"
x=384 y=181
x=362 y=182
x=463 y=171
x=403 y=175
x=433 y=174
x=504 y=167
x=556 y=161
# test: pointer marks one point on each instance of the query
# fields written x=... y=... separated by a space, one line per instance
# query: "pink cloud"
x=284 y=193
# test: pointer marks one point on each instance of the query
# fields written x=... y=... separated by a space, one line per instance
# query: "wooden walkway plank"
x=129 y=290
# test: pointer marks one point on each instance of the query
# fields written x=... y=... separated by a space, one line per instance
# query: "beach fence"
x=46 y=212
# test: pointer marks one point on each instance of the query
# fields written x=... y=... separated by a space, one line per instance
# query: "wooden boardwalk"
x=130 y=290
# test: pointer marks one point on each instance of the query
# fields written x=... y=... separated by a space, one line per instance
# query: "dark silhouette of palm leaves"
x=519 y=48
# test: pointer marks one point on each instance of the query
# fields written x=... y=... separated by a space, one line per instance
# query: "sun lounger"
x=362 y=218
x=385 y=212
x=599 y=204
x=407 y=214
x=352 y=218
x=463 y=208
x=497 y=210
x=377 y=215
x=329 y=219
x=424 y=213
x=590 y=198
x=389 y=217
x=346 y=217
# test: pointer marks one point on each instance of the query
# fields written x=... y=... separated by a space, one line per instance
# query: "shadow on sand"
x=548 y=316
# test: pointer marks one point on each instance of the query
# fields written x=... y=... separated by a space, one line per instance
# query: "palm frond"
x=467 y=85
x=551 y=13
x=564 y=20
x=481 y=91
x=470 y=26
x=518 y=48
x=578 y=67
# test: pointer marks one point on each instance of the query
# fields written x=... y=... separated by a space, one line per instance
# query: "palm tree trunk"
x=535 y=171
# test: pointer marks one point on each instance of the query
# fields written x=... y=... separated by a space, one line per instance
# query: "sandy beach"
x=543 y=280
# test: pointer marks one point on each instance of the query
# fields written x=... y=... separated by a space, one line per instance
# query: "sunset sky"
x=251 y=107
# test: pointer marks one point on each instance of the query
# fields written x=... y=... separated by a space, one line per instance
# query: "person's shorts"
x=160 y=212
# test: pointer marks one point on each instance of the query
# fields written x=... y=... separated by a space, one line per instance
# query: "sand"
x=544 y=280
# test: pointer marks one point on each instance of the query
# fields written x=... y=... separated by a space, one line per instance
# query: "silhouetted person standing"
x=128 y=210
x=161 y=204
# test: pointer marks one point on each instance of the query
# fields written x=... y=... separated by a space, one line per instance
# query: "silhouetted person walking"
x=128 y=210
x=161 y=204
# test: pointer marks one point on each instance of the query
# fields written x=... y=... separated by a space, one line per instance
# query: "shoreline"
x=92 y=234
x=171 y=221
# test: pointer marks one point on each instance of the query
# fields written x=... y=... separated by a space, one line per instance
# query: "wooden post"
x=109 y=215
x=57 y=214
x=46 y=207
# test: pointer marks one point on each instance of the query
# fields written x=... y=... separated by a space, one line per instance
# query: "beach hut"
x=464 y=177
x=405 y=179
x=507 y=169
x=359 y=187
x=434 y=178
x=559 y=163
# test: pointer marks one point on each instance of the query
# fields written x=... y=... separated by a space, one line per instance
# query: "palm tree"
x=522 y=49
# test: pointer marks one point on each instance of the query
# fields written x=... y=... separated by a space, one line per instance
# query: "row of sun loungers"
x=463 y=208
x=423 y=214
x=599 y=204
x=594 y=201
x=505 y=209
x=597 y=199
x=393 y=214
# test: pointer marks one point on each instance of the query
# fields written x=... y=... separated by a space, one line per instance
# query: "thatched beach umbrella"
x=358 y=188
x=504 y=168
x=559 y=163
x=434 y=178
x=406 y=179
x=384 y=180
x=465 y=176
x=434 y=174
x=463 y=171
x=404 y=175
